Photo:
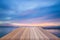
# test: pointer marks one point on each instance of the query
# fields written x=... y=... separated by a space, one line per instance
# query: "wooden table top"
x=29 y=33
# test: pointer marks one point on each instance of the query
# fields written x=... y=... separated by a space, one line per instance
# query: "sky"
x=28 y=12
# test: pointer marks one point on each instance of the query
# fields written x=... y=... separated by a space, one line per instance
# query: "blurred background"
x=18 y=13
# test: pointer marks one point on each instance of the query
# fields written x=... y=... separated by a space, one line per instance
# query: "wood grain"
x=29 y=33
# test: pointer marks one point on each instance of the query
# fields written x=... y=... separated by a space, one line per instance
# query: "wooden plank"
x=29 y=33
x=48 y=34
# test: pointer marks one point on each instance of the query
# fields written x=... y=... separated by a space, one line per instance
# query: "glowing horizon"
x=34 y=24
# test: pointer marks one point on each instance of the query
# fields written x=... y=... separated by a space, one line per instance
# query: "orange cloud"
x=35 y=24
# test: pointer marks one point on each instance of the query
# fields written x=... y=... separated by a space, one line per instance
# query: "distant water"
x=54 y=32
x=4 y=31
x=53 y=29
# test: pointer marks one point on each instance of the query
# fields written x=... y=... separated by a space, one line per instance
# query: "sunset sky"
x=30 y=12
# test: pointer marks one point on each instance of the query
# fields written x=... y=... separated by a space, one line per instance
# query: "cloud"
x=32 y=11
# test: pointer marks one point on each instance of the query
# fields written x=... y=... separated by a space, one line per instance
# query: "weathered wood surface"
x=29 y=33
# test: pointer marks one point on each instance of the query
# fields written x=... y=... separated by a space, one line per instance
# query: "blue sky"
x=30 y=11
